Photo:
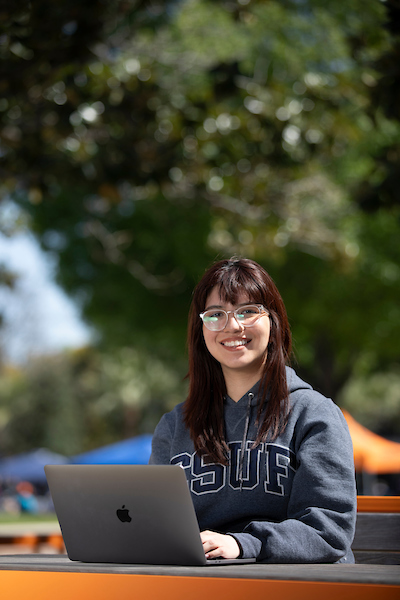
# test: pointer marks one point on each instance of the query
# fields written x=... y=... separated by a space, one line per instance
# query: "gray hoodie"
x=292 y=500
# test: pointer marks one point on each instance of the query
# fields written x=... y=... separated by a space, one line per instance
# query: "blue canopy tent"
x=29 y=465
x=133 y=451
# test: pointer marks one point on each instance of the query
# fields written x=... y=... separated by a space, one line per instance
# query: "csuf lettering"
x=270 y=465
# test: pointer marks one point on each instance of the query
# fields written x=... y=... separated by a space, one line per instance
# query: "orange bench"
x=33 y=542
x=377 y=539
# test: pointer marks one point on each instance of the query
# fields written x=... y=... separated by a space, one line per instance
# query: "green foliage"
x=352 y=309
x=146 y=139
x=374 y=400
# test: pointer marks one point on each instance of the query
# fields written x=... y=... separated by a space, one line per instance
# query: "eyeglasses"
x=216 y=319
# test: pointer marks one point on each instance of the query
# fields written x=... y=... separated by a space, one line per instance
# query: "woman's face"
x=237 y=348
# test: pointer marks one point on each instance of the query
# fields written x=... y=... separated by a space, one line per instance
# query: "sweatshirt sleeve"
x=320 y=522
x=161 y=443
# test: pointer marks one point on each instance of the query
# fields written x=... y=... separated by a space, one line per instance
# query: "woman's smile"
x=235 y=343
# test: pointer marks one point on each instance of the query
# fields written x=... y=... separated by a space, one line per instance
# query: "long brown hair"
x=203 y=410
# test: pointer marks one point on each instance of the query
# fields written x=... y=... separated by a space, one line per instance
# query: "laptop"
x=135 y=514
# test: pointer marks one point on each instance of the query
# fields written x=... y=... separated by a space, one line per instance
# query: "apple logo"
x=123 y=514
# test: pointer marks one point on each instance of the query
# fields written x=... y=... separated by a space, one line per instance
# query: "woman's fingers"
x=218 y=544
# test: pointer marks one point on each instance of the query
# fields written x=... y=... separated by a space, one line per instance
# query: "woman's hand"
x=217 y=544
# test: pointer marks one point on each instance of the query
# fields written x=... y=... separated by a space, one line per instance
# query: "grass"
x=6 y=518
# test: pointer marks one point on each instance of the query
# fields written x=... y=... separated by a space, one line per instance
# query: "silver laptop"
x=127 y=514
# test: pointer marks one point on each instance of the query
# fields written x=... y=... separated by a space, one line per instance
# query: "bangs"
x=235 y=282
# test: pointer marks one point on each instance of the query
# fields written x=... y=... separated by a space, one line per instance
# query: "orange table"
x=45 y=577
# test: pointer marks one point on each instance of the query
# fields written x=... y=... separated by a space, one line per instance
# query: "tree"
x=72 y=402
x=151 y=139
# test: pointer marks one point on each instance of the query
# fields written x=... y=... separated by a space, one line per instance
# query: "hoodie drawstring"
x=244 y=440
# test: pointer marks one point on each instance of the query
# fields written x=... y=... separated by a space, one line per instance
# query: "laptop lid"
x=127 y=514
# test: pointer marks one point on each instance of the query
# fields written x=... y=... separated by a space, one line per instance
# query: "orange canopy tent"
x=372 y=453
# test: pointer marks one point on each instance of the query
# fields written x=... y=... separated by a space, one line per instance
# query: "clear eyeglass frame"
x=216 y=319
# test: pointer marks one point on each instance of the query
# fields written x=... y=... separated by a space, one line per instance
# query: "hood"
x=251 y=396
x=294 y=382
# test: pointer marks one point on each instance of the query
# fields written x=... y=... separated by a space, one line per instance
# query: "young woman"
x=269 y=461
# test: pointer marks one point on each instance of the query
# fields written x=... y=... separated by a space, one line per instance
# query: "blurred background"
x=142 y=140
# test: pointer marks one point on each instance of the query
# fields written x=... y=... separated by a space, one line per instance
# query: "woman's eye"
x=214 y=315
